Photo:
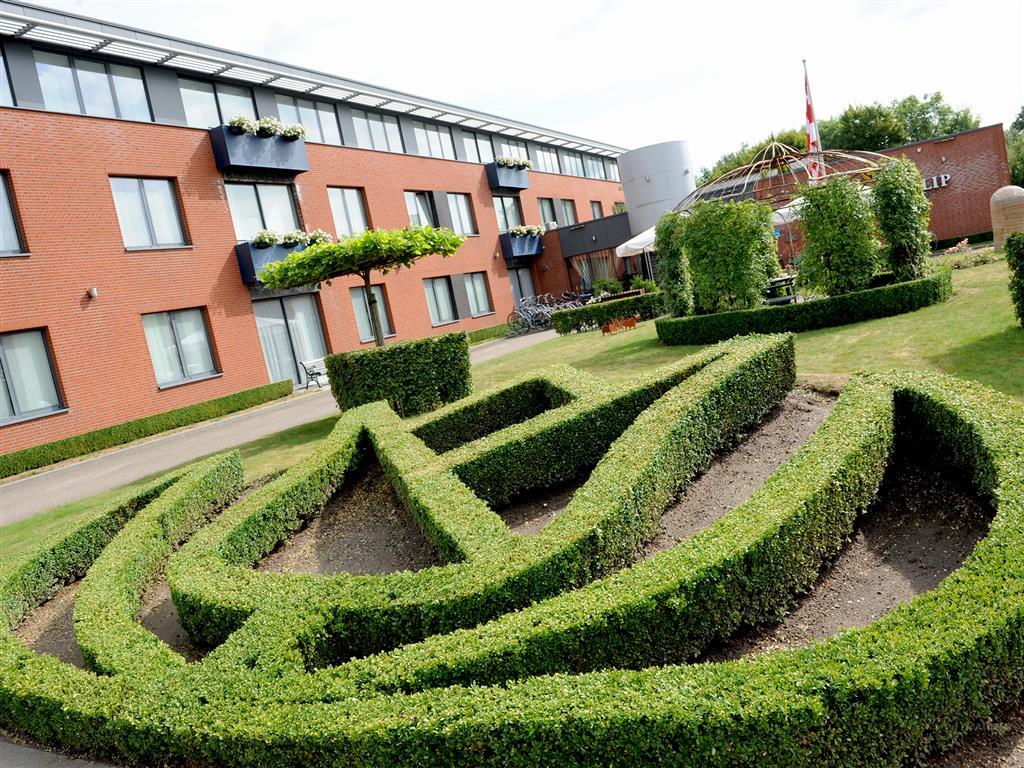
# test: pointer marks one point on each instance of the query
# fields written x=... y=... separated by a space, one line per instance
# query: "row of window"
x=179 y=343
x=89 y=86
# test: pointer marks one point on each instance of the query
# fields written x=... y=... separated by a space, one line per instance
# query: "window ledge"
x=183 y=382
x=136 y=248
x=446 y=322
x=33 y=416
x=371 y=339
x=19 y=255
x=484 y=314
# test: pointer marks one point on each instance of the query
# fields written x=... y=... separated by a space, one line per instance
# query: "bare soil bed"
x=159 y=615
x=50 y=629
x=528 y=515
x=364 y=529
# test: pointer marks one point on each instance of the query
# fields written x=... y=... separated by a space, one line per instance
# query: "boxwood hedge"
x=645 y=306
x=806 y=316
x=577 y=678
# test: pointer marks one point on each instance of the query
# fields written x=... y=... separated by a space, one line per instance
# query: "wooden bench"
x=314 y=369
x=781 y=290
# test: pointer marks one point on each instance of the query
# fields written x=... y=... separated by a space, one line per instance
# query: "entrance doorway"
x=522 y=284
x=290 y=332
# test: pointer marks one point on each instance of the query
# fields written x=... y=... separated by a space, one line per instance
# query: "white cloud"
x=629 y=73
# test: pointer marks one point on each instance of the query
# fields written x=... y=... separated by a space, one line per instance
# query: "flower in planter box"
x=269 y=126
x=513 y=162
x=295 y=237
x=242 y=124
x=318 y=236
x=526 y=230
x=293 y=132
x=265 y=238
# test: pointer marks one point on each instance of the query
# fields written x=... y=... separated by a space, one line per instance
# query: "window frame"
x=444 y=137
x=38 y=413
x=290 y=186
x=504 y=211
x=5 y=79
x=596 y=162
x=474 y=227
x=19 y=231
x=319 y=116
x=302 y=378
x=548 y=152
x=434 y=221
x=169 y=313
x=382 y=301
x=361 y=192
x=569 y=206
x=216 y=99
x=70 y=57
x=428 y=284
x=596 y=210
x=475 y=139
x=573 y=156
x=154 y=246
x=368 y=115
x=554 y=213
x=518 y=148
x=467 y=277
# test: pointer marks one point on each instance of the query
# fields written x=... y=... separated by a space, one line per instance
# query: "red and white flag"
x=815 y=169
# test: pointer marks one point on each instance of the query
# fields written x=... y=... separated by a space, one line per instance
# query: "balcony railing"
x=507 y=177
x=519 y=250
x=252 y=259
x=234 y=152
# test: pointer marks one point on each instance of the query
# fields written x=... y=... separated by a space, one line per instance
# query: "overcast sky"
x=628 y=73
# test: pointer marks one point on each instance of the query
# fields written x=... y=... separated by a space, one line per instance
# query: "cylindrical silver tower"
x=654 y=180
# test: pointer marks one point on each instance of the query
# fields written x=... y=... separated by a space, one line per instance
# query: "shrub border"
x=645 y=306
x=809 y=315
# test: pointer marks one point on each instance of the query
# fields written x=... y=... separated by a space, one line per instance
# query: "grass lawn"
x=973 y=335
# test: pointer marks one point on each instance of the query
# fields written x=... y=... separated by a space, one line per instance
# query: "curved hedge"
x=806 y=316
x=645 y=307
x=521 y=690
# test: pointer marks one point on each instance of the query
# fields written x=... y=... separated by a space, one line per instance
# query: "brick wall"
x=59 y=167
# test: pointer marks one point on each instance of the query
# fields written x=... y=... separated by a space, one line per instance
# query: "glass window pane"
x=57 y=82
x=439 y=300
x=307 y=116
x=472 y=149
x=6 y=404
x=6 y=97
x=486 y=148
x=613 y=170
x=329 y=123
x=286 y=109
x=162 y=349
x=10 y=241
x=131 y=212
x=476 y=289
x=347 y=209
x=277 y=350
x=29 y=384
x=377 y=135
x=363 y=138
x=304 y=325
x=195 y=345
x=595 y=209
x=132 y=102
x=362 y=312
x=569 y=210
x=245 y=210
x=462 y=214
x=163 y=211
x=200 y=104
x=235 y=100
x=95 y=86
x=394 y=136
x=278 y=210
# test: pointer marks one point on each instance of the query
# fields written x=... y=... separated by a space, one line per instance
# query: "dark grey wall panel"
x=596 y=235
x=461 y=296
x=164 y=95
x=560 y=219
x=460 y=143
x=24 y=78
x=348 y=128
x=408 y=135
x=444 y=213
x=266 y=104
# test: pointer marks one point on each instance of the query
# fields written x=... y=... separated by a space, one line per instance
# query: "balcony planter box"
x=519 y=250
x=235 y=152
x=252 y=259
x=504 y=177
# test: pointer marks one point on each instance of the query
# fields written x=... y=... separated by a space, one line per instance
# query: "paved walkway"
x=19 y=756
x=76 y=480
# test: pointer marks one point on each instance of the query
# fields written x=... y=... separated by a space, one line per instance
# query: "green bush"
x=840 y=249
x=731 y=250
x=412 y=376
x=1015 y=260
x=79 y=445
x=639 y=283
x=488 y=333
x=673 y=265
x=806 y=316
x=646 y=307
x=607 y=285
x=904 y=214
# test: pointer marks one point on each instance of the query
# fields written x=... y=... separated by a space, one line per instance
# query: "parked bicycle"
x=534 y=312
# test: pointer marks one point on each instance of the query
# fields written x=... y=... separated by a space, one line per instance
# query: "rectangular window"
x=179 y=344
x=478 y=147
x=548 y=217
x=376 y=131
x=290 y=333
x=261 y=206
x=547 y=160
x=569 y=211
x=476 y=289
x=207 y=106
x=6 y=97
x=10 y=236
x=421 y=209
x=613 y=170
x=572 y=163
x=596 y=211
x=348 y=210
x=462 y=213
x=440 y=300
x=89 y=87
x=434 y=140
x=511 y=148
x=148 y=212
x=506 y=208
x=318 y=118
x=361 y=307
x=594 y=167
x=28 y=387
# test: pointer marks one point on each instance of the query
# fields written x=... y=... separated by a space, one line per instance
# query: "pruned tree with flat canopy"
x=381 y=250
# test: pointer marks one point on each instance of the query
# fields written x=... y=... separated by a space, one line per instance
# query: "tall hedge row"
x=412 y=376
x=808 y=315
x=1015 y=260
x=645 y=307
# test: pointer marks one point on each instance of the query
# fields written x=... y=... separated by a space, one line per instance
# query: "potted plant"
x=318 y=236
x=526 y=230
x=293 y=238
x=265 y=238
x=269 y=126
x=513 y=162
x=240 y=124
x=293 y=132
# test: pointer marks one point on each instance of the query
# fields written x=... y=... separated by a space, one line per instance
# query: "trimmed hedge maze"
x=554 y=649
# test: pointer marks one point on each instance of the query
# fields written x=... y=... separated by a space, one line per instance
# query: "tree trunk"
x=371 y=303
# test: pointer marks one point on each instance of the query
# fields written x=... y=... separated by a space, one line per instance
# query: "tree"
x=903 y=212
x=839 y=251
x=1015 y=260
x=1018 y=123
x=673 y=266
x=931 y=116
x=871 y=127
x=374 y=250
